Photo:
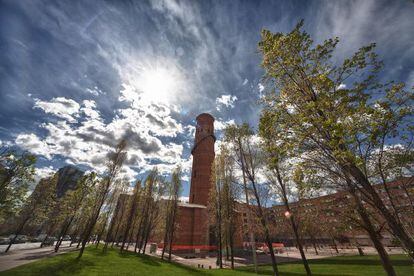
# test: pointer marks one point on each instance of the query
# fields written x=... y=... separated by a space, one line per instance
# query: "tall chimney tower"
x=203 y=157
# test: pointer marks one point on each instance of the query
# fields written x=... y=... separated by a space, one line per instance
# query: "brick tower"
x=203 y=157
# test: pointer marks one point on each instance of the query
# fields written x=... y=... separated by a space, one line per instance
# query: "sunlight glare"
x=158 y=84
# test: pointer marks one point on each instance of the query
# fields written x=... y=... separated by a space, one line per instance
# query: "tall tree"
x=229 y=194
x=72 y=202
x=215 y=207
x=153 y=192
x=172 y=211
x=336 y=110
x=282 y=188
x=16 y=172
x=280 y=170
x=136 y=196
x=116 y=209
x=36 y=207
x=249 y=157
x=114 y=165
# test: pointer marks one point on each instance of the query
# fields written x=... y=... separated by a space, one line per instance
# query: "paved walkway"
x=290 y=254
x=21 y=254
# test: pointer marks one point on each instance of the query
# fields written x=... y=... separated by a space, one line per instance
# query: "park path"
x=290 y=254
x=26 y=253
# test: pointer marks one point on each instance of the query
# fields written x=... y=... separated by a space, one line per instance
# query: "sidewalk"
x=29 y=254
x=291 y=254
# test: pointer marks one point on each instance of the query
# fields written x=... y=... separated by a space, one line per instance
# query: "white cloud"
x=43 y=172
x=220 y=125
x=341 y=86
x=184 y=199
x=225 y=100
x=410 y=80
x=33 y=144
x=89 y=141
x=61 y=107
x=95 y=91
x=261 y=87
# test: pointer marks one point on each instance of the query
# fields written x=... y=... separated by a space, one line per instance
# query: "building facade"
x=333 y=219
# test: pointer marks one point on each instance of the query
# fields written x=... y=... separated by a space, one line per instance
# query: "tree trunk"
x=172 y=232
x=130 y=221
x=218 y=217
x=393 y=223
x=314 y=246
x=292 y=222
x=251 y=231
x=63 y=233
x=385 y=260
x=19 y=230
x=231 y=250
x=266 y=231
x=165 y=242
x=335 y=246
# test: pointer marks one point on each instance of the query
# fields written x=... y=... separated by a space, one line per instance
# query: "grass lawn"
x=94 y=262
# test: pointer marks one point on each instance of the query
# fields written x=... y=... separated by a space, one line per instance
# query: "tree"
x=228 y=196
x=52 y=210
x=336 y=110
x=241 y=137
x=36 y=207
x=114 y=165
x=115 y=210
x=172 y=211
x=72 y=202
x=278 y=176
x=328 y=175
x=153 y=192
x=215 y=207
x=16 y=172
x=136 y=196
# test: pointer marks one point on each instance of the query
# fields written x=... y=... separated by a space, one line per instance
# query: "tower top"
x=204 y=116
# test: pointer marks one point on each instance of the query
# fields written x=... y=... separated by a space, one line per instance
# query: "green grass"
x=94 y=262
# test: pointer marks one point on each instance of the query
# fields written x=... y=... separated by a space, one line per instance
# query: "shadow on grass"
x=70 y=266
x=56 y=266
x=189 y=269
x=334 y=263
x=154 y=261
x=267 y=270
x=145 y=259
x=362 y=261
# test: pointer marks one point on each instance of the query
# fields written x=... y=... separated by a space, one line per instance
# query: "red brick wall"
x=192 y=226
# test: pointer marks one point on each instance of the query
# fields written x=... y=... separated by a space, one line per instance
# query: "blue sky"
x=76 y=76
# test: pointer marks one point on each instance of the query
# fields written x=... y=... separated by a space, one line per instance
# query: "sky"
x=77 y=76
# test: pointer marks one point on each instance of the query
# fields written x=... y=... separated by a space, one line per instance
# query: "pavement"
x=290 y=254
x=24 y=253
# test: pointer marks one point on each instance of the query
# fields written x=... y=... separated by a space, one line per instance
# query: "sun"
x=158 y=84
